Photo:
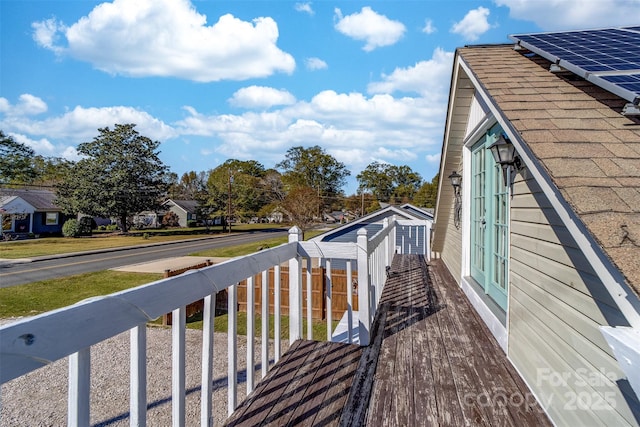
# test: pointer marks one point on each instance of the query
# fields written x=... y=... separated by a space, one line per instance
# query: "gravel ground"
x=40 y=397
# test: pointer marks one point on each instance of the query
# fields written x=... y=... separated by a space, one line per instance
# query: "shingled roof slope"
x=41 y=200
x=575 y=129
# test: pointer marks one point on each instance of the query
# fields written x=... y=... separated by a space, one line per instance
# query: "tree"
x=238 y=182
x=272 y=186
x=120 y=174
x=189 y=187
x=389 y=183
x=407 y=182
x=50 y=171
x=376 y=178
x=313 y=167
x=427 y=194
x=301 y=206
x=15 y=161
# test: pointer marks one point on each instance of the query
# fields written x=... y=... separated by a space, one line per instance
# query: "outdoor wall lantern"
x=504 y=153
x=456 y=182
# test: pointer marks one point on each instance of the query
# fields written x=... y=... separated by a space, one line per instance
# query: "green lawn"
x=38 y=297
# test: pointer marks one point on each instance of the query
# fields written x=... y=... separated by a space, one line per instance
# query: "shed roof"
x=373 y=223
x=576 y=131
x=188 y=206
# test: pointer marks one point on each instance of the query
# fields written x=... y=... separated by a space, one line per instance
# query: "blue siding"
x=40 y=227
x=414 y=239
x=350 y=234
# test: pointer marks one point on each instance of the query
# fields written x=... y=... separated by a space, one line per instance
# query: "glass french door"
x=489 y=221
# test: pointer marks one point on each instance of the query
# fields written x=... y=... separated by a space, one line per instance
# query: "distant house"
x=186 y=210
x=548 y=251
x=413 y=231
x=30 y=211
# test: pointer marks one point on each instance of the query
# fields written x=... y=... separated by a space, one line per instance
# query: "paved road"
x=12 y=274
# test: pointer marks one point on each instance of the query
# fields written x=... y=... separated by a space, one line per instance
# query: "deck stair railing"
x=33 y=342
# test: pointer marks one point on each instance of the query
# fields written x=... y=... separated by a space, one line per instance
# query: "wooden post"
x=295 y=290
x=364 y=322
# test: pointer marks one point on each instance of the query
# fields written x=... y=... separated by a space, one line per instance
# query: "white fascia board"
x=611 y=277
x=447 y=129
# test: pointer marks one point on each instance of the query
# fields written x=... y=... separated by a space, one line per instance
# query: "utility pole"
x=229 y=206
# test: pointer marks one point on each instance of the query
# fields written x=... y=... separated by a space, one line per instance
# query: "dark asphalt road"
x=16 y=274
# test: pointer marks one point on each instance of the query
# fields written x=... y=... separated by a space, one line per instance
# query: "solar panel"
x=609 y=57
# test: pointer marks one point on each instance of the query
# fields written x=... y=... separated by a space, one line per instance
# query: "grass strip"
x=46 y=295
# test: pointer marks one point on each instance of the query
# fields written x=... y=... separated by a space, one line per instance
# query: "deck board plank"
x=431 y=362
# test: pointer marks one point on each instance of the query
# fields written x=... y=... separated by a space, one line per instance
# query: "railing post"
x=329 y=284
x=309 y=299
x=232 y=348
x=295 y=290
x=394 y=236
x=364 y=321
x=138 y=376
x=178 y=379
x=277 y=306
x=208 y=318
x=79 y=388
x=251 y=325
x=265 y=322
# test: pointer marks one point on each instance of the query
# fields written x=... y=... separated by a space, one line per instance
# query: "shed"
x=413 y=232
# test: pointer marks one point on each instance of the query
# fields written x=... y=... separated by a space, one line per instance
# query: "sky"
x=216 y=80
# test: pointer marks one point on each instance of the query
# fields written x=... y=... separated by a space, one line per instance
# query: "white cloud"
x=433 y=159
x=46 y=148
x=351 y=126
x=261 y=97
x=473 y=25
x=76 y=125
x=304 y=7
x=27 y=105
x=377 y=30
x=42 y=146
x=169 y=38
x=428 y=27
x=429 y=78
x=552 y=15
x=45 y=33
x=315 y=64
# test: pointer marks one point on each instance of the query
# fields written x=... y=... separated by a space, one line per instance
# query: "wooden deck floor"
x=431 y=362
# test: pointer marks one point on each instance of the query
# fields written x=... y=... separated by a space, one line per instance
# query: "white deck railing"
x=70 y=332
